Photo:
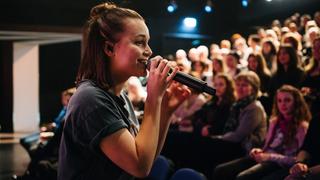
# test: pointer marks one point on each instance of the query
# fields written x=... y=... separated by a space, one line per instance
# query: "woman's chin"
x=142 y=73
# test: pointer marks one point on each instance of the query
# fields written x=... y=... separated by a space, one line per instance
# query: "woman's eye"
x=140 y=43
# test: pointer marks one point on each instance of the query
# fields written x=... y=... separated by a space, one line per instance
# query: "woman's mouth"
x=144 y=62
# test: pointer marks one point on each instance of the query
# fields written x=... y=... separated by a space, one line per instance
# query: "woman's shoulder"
x=304 y=124
x=298 y=72
x=256 y=104
x=88 y=92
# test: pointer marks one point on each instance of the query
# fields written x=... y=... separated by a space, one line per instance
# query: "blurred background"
x=54 y=27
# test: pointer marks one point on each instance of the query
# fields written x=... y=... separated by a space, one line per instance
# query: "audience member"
x=311 y=84
x=254 y=43
x=44 y=157
x=288 y=72
x=181 y=116
x=288 y=126
x=211 y=118
x=307 y=165
x=269 y=52
x=193 y=54
x=218 y=66
x=257 y=64
x=232 y=61
x=214 y=50
x=137 y=95
x=241 y=47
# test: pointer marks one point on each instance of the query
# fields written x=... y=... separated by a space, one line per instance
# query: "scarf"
x=233 y=120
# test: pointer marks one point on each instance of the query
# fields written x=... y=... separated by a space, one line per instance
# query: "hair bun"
x=98 y=10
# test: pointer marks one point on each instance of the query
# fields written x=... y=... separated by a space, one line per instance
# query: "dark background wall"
x=59 y=62
x=6 y=86
x=228 y=16
x=58 y=69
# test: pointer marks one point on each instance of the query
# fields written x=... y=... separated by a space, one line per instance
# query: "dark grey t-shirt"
x=92 y=115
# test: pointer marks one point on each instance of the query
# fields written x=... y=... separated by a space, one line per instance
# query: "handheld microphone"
x=190 y=81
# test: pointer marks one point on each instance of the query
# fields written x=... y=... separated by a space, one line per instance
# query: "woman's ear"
x=108 y=48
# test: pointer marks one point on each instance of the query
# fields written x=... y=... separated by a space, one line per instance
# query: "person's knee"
x=244 y=176
x=219 y=171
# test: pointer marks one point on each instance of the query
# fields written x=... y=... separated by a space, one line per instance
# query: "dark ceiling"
x=75 y=12
x=228 y=16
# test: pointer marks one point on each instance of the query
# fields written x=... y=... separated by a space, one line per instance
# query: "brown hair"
x=220 y=61
x=105 y=23
x=300 y=112
x=229 y=95
x=252 y=78
x=294 y=60
x=262 y=65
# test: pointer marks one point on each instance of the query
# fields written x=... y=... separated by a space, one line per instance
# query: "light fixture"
x=190 y=22
x=244 y=3
x=208 y=7
x=172 y=6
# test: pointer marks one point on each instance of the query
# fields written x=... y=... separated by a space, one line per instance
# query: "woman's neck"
x=287 y=117
x=116 y=89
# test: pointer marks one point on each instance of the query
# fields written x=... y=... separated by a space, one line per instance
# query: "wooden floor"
x=14 y=159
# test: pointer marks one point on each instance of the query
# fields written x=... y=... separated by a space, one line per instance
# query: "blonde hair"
x=252 y=78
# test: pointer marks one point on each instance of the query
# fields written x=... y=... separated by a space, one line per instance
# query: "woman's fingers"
x=154 y=62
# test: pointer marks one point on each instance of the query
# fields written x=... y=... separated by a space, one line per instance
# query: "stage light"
x=268 y=0
x=208 y=7
x=244 y=3
x=172 y=6
x=190 y=22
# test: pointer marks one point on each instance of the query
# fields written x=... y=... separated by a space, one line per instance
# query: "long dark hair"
x=293 y=63
x=105 y=23
x=229 y=96
x=262 y=69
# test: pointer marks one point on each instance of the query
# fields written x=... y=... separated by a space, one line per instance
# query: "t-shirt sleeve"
x=102 y=121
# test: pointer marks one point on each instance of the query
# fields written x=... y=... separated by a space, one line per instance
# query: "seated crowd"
x=258 y=126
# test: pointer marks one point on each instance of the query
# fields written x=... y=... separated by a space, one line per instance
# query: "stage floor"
x=14 y=159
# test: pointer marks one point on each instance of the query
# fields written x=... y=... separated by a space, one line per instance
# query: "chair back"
x=160 y=169
x=187 y=174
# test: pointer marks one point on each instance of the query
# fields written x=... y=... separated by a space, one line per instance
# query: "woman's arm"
x=284 y=159
x=135 y=155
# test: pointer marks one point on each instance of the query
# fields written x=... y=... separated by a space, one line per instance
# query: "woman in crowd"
x=288 y=126
x=307 y=165
x=257 y=64
x=218 y=66
x=246 y=125
x=232 y=62
x=311 y=84
x=269 y=52
x=211 y=118
x=289 y=72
